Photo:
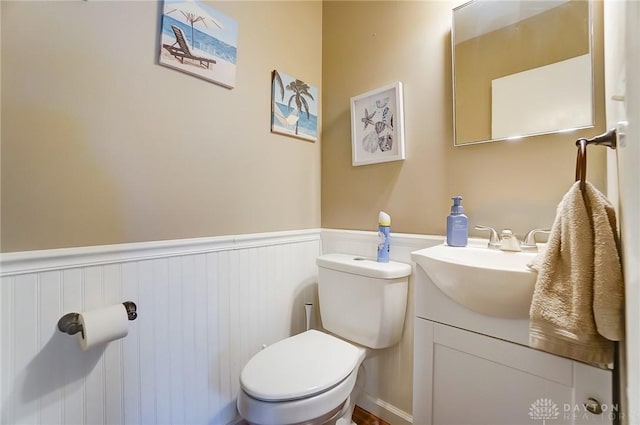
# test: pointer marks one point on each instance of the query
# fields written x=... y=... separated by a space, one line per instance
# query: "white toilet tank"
x=362 y=300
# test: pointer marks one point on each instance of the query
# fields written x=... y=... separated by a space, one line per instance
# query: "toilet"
x=313 y=378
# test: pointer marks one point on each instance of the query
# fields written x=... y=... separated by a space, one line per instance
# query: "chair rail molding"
x=14 y=263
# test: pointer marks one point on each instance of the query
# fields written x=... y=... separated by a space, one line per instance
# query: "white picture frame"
x=377 y=126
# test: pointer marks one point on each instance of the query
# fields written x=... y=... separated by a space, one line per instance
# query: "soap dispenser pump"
x=457 y=224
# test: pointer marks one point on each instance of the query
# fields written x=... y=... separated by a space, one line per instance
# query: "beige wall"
x=101 y=145
x=506 y=184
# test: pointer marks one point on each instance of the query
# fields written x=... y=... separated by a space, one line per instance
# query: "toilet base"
x=345 y=418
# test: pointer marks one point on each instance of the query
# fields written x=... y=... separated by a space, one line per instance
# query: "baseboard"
x=384 y=410
x=364 y=417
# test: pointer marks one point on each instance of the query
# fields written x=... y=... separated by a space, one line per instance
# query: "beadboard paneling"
x=204 y=308
x=388 y=388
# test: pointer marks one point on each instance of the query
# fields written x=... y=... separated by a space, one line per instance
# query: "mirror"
x=521 y=68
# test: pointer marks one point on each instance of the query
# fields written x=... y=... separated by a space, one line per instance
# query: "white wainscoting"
x=205 y=306
x=388 y=390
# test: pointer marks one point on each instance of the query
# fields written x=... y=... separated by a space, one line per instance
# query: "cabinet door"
x=464 y=378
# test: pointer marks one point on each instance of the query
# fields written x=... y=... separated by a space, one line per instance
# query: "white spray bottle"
x=384 y=230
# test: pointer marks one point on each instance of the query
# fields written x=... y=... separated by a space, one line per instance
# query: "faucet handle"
x=494 y=239
x=529 y=240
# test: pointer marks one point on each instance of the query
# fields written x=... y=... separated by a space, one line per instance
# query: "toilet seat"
x=298 y=367
x=301 y=379
x=315 y=409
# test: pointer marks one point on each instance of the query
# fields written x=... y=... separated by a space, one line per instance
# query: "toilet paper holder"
x=70 y=322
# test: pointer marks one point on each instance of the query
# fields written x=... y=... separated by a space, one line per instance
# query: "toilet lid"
x=300 y=366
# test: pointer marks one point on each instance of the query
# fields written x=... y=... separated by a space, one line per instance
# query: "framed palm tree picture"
x=377 y=126
x=294 y=107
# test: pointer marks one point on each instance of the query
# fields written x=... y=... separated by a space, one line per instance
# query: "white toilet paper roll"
x=103 y=325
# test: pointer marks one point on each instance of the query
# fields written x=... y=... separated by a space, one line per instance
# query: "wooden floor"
x=362 y=417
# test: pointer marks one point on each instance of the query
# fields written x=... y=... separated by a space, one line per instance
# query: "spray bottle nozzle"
x=384 y=219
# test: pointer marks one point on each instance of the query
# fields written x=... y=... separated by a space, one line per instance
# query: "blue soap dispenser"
x=457 y=224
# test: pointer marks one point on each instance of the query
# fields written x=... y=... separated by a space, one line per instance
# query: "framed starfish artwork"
x=377 y=126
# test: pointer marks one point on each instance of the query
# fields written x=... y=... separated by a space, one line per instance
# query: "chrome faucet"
x=505 y=241
x=529 y=241
x=509 y=241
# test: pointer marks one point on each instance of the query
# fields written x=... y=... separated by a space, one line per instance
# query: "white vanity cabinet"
x=471 y=369
x=462 y=377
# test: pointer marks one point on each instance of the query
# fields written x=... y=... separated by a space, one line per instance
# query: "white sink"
x=488 y=281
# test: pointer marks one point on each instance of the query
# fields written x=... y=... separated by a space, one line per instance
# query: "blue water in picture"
x=307 y=126
x=203 y=41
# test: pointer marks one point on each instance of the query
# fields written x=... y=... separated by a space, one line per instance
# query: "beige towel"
x=577 y=309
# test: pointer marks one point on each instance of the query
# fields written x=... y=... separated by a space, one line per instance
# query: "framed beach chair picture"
x=294 y=107
x=199 y=40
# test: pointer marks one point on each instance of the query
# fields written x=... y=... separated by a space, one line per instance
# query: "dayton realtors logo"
x=543 y=409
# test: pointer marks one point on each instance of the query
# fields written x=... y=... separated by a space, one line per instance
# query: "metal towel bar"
x=607 y=139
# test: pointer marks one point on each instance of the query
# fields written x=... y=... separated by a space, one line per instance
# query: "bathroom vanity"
x=472 y=368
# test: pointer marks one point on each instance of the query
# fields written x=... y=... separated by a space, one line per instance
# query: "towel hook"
x=581 y=162
x=608 y=139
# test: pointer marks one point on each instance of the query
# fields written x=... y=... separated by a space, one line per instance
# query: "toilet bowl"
x=312 y=378
x=307 y=378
